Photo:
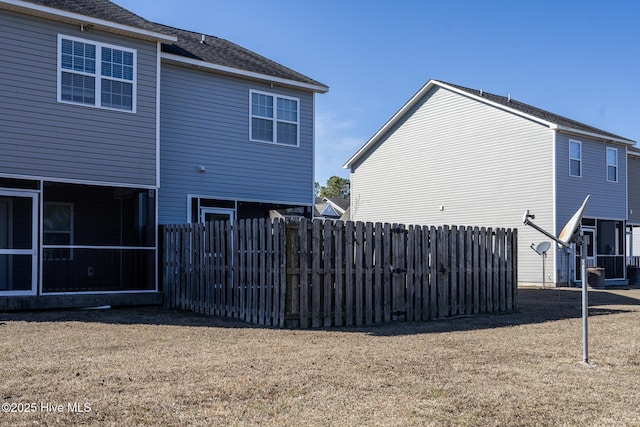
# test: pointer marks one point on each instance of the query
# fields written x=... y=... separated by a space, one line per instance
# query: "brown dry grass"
x=151 y=366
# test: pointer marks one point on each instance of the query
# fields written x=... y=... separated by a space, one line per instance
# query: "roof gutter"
x=633 y=152
x=595 y=135
x=76 y=18
x=242 y=73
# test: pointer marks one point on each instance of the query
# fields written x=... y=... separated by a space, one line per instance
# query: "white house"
x=459 y=156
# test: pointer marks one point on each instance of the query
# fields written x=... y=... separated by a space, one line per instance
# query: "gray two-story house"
x=459 y=156
x=110 y=125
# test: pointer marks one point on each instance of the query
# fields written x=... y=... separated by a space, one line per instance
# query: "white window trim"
x=223 y=211
x=571 y=158
x=616 y=165
x=274 y=119
x=98 y=74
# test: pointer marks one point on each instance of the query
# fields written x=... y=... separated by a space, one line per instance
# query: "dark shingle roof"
x=342 y=203
x=537 y=112
x=100 y=9
x=215 y=50
x=223 y=52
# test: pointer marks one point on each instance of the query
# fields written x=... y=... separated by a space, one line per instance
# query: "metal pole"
x=585 y=297
x=544 y=257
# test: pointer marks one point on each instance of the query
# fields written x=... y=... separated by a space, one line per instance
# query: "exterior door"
x=590 y=233
x=18 y=243
x=216 y=214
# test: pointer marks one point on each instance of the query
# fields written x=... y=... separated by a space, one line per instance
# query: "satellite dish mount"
x=541 y=249
x=571 y=233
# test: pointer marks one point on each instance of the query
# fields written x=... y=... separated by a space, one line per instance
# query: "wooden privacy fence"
x=305 y=273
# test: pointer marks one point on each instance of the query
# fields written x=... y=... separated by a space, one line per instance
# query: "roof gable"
x=546 y=118
x=341 y=204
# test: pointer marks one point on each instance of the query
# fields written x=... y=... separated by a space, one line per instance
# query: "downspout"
x=156 y=225
x=556 y=254
x=313 y=158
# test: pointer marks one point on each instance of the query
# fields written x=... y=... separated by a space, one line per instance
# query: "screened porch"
x=98 y=239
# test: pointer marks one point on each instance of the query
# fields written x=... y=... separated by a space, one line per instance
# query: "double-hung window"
x=575 y=158
x=612 y=165
x=96 y=74
x=274 y=118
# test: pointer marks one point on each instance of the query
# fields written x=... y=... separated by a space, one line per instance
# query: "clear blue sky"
x=580 y=59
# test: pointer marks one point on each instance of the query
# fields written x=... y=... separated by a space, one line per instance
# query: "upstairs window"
x=612 y=165
x=274 y=118
x=96 y=74
x=575 y=158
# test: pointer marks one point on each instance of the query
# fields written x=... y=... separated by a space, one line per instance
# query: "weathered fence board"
x=320 y=274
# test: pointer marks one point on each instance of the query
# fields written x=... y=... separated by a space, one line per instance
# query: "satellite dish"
x=570 y=229
x=543 y=247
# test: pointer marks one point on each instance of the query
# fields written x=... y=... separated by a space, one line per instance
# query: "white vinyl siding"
x=612 y=165
x=96 y=74
x=274 y=118
x=483 y=165
x=575 y=158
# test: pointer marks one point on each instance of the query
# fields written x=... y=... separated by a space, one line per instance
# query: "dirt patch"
x=152 y=366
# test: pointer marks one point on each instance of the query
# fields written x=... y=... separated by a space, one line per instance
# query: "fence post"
x=492 y=263
x=339 y=273
x=348 y=273
x=368 y=251
x=266 y=271
x=469 y=285
x=167 y=282
x=328 y=276
x=453 y=269
x=378 y=274
x=292 y=249
x=509 y=270
x=514 y=268
x=425 y=285
x=409 y=291
x=262 y=269
x=358 y=297
x=462 y=278
x=398 y=277
x=387 y=285
x=443 y=271
x=417 y=273
x=502 y=269
x=281 y=276
x=316 y=282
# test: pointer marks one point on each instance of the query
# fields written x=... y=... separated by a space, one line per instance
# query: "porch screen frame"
x=34 y=251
